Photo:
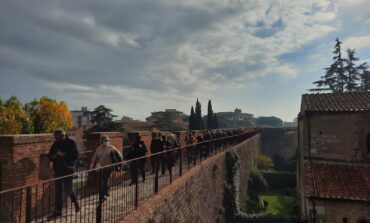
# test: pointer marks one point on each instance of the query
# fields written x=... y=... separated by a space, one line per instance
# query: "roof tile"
x=337 y=181
x=336 y=102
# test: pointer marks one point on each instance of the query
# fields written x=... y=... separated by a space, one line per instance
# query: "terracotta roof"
x=337 y=181
x=336 y=102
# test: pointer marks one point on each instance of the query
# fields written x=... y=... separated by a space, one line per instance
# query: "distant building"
x=169 y=120
x=334 y=157
x=81 y=117
x=234 y=119
x=171 y=114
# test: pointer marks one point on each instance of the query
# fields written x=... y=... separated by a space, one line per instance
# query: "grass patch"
x=278 y=204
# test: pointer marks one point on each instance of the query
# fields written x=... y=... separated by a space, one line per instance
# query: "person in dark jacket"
x=138 y=150
x=207 y=145
x=168 y=155
x=64 y=155
x=156 y=146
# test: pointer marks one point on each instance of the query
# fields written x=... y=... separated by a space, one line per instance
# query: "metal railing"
x=33 y=203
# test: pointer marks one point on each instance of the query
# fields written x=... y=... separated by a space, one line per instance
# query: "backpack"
x=116 y=158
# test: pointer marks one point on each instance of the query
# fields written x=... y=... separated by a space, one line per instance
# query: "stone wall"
x=336 y=136
x=197 y=196
x=280 y=141
x=336 y=210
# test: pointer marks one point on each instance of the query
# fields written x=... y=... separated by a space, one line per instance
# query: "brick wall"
x=197 y=196
x=281 y=141
x=20 y=158
x=336 y=210
x=336 y=136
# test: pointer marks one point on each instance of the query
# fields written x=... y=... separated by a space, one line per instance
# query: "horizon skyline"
x=137 y=56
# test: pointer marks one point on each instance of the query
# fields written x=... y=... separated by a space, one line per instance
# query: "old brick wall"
x=336 y=136
x=281 y=141
x=20 y=157
x=335 y=210
x=197 y=196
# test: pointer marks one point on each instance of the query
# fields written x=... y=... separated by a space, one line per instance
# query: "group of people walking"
x=164 y=153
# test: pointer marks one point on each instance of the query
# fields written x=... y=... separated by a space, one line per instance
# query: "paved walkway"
x=120 y=202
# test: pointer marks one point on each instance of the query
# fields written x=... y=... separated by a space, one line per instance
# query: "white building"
x=81 y=117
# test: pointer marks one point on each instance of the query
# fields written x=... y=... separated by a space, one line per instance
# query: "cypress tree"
x=210 y=119
x=192 y=119
x=198 y=116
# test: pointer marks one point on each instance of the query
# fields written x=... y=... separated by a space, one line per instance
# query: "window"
x=344 y=220
x=368 y=143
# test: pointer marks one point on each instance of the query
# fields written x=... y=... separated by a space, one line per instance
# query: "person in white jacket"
x=104 y=155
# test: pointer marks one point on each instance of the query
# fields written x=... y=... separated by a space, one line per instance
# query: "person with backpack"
x=138 y=150
x=64 y=155
x=106 y=155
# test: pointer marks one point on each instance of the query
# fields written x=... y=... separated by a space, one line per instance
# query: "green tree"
x=47 y=114
x=198 y=116
x=192 y=119
x=18 y=119
x=364 y=78
x=102 y=115
x=269 y=121
x=334 y=79
x=352 y=71
x=210 y=119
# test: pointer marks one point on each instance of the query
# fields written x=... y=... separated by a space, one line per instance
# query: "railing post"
x=180 y=166
x=157 y=161
x=194 y=155
x=99 y=206
x=28 y=204
x=136 y=191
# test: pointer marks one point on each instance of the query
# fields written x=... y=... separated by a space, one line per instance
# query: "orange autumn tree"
x=47 y=114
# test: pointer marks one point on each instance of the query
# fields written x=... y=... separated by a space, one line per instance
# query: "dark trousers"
x=154 y=159
x=167 y=163
x=156 y=162
x=135 y=167
x=60 y=186
x=104 y=189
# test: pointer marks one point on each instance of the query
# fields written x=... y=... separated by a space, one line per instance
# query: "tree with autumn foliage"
x=38 y=116
x=47 y=115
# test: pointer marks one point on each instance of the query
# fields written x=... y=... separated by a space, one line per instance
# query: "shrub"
x=264 y=162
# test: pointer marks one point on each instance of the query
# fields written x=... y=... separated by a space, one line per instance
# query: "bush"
x=264 y=162
x=258 y=183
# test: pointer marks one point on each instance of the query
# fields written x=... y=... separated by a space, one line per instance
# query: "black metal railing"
x=34 y=203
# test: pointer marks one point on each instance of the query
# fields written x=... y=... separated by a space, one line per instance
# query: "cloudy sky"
x=140 y=56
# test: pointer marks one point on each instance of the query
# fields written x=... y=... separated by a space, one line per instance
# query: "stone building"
x=234 y=119
x=334 y=157
x=81 y=117
x=171 y=114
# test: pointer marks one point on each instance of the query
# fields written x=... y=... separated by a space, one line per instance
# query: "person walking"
x=156 y=146
x=105 y=155
x=138 y=150
x=189 y=139
x=168 y=155
x=64 y=155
